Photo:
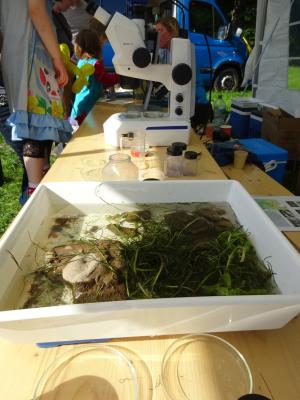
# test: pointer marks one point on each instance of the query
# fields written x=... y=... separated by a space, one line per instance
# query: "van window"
x=294 y=47
x=205 y=19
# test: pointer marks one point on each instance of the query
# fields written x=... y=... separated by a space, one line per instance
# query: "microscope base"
x=159 y=131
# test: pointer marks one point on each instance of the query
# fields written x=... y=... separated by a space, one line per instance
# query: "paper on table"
x=284 y=211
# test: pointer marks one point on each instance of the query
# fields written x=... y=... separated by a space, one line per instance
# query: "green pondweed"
x=174 y=253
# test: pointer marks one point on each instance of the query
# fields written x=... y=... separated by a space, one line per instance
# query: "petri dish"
x=89 y=372
x=153 y=114
x=131 y=115
x=91 y=169
x=204 y=367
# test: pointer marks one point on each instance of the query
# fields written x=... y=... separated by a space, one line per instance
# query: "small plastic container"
x=205 y=367
x=134 y=142
x=190 y=163
x=89 y=372
x=173 y=162
x=120 y=168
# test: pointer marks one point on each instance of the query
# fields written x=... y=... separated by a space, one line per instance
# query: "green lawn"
x=10 y=191
x=294 y=78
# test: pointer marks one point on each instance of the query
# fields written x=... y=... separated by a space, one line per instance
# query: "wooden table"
x=87 y=150
x=273 y=356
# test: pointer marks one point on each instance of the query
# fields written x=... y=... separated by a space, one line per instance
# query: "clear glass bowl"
x=89 y=372
x=120 y=168
x=204 y=367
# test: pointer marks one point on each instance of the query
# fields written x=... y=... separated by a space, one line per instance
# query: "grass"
x=10 y=191
x=227 y=96
x=294 y=78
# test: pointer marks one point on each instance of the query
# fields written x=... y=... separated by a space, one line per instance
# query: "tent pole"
x=262 y=6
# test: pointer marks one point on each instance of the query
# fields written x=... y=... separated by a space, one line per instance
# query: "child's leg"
x=33 y=154
x=47 y=152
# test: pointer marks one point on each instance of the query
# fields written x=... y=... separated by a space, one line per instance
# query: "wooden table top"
x=273 y=355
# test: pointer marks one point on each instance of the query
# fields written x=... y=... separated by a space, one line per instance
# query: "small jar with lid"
x=189 y=163
x=179 y=145
x=173 y=162
x=120 y=168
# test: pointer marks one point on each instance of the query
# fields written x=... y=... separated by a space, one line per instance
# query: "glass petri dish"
x=91 y=169
x=89 y=372
x=204 y=367
x=153 y=114
x=130 y=115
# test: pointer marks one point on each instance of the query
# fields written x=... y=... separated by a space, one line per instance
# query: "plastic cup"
x=137 y=148
x=226 y=129
x=209 y=130
x=134 y=143
x=240 y=158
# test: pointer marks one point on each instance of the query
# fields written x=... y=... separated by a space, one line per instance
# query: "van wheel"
x=227 y=79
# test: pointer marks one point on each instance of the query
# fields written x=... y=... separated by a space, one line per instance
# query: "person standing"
x=77 y=16
x=88 y=51
x=34 y=75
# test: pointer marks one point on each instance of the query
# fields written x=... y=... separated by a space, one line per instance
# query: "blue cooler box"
x=273 y=157
x=239 y=120
x=255 y=124
x=241 y=109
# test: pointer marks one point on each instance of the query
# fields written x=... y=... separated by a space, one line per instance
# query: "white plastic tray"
x=145 y=317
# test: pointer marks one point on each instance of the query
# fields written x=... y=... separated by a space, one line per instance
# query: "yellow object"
x=249 y=48
x=81 y=73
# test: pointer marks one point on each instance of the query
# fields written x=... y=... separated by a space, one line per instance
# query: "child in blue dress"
x=88 y=50
x=34 y=75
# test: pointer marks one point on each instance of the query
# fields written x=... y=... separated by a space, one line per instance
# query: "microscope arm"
x=132 y=58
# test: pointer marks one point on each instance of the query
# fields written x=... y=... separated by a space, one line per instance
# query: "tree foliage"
x=245 y=16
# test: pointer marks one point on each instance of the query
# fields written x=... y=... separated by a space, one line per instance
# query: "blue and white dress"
x=34 y=96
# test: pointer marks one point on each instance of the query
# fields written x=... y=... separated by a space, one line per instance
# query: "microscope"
x=133 y=59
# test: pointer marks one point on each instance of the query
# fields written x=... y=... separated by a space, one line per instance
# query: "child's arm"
x=107 y=79
x=42 y=23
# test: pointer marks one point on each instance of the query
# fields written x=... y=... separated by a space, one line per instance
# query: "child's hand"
x=61 y=73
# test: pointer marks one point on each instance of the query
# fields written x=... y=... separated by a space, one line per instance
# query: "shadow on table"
x=84 y=387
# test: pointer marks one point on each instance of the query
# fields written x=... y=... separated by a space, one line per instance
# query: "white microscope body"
x=133 y=59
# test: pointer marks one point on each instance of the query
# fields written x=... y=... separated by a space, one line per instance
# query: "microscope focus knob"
x=178 y=111
x=141 y=57
x=179 y=98
x=182 y=74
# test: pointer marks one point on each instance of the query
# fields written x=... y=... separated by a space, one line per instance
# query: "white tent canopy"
x=269 y=61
